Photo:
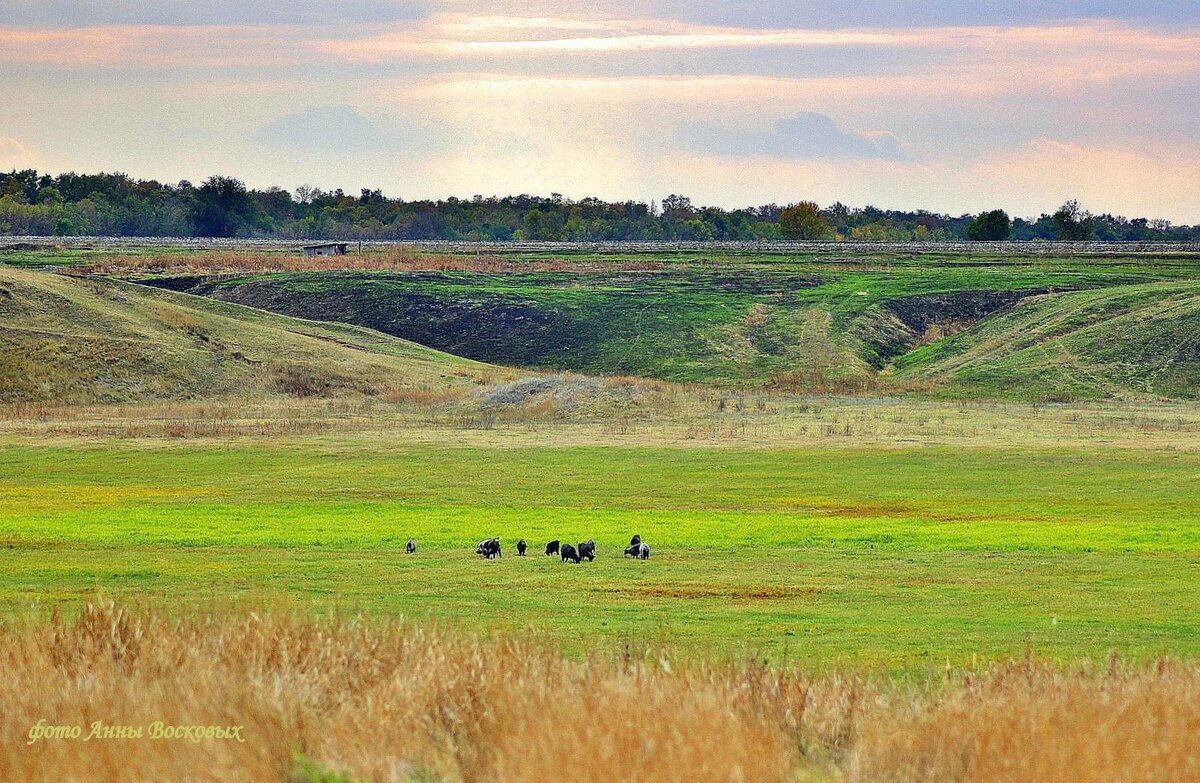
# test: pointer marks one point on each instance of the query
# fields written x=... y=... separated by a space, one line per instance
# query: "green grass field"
x=185 y=452
x=899 y=557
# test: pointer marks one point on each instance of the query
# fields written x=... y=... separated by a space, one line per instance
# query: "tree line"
x=118 y=205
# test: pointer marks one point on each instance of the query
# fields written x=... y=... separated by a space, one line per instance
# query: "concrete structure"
x=326 y=249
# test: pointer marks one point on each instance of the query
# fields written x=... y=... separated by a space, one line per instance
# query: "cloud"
x=15 y=155
x=998 y=58
x=448 y=36
x=739 y=13
x=890 y=13
x=581 y=97
x=805 y=136
x=93 y=13
x=865 y=13
x=917 y=59
x=322 y=128
x=154 y=47
x=340 y=133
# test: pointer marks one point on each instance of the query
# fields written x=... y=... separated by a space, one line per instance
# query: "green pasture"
x=900 y=557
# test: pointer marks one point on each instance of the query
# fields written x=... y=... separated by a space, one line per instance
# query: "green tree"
x=223 y=208
x=803 y=221
x=1072 y=223
x=542 y=226
x=991 y=226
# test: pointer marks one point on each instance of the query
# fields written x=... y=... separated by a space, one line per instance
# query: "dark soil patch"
x=924 y=311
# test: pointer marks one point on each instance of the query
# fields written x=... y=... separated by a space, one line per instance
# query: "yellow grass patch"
x=390 y=259
x=37 y=499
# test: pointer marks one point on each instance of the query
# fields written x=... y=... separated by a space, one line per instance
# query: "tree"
x=677 y=208
x=1072 y=223
x=991 y=226
x=803 y=221
x=223 y=207
x=542 y=226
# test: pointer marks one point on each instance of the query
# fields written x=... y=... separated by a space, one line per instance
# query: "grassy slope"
x=899 y=556
x=813 y=323
x=1109 y=342
x=66 y=340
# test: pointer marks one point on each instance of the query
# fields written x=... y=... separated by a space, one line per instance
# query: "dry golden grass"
x=818 y=381
x=628 y=411
x=391 y=259
x=422 y=396
x=1026 y=722
x=384 y=701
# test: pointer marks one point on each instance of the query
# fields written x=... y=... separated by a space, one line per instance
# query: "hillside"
x=1121 y=341
x=74 y=341
x=962 y=325
x=953 y=324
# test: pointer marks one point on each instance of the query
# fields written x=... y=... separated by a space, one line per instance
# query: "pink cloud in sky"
x=1089 y=49
x=587 y=102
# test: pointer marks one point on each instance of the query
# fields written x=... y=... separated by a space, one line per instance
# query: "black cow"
x=489 y=548
x=521 y=546
x=568 y=553
x=635 y=541
x=411 y=546
x=552 y=548
x=588 y=549
x=641 y=551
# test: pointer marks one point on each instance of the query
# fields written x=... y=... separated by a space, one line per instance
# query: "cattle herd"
x=490 y=548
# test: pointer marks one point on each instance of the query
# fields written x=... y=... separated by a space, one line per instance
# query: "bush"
x=304 y=382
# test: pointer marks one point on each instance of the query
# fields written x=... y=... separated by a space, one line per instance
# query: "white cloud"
x=91 y=13
x=873 y=13
x=321 y=128
x=992 y=57
x=15 y=155
x=805 y=135
x=590 y=100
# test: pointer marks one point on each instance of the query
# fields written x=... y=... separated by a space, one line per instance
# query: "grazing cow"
x=632 y=550
x=489 y=548
x=588 y=549
x=521 y=548
x=411 y=546
x=568 y=553
x=644 y=551
x=552 y=548
x=636 y=540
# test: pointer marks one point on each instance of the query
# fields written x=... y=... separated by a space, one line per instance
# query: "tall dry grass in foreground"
x=383 y=701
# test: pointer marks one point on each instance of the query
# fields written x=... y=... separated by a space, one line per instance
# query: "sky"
x=950 y=106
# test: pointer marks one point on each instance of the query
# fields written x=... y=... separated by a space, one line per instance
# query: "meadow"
x=981 y=566
x=843 y=591
x=866 y=549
